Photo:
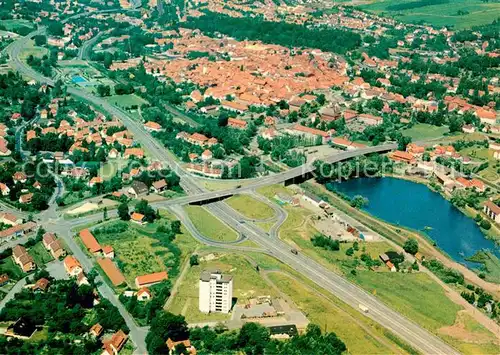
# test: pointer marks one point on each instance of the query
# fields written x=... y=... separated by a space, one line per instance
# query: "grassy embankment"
x=210 y=226
x=250 y=207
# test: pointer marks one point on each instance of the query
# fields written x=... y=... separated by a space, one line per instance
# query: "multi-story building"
x=216 y=292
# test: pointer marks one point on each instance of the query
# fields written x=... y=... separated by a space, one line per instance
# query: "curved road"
x=343 y=289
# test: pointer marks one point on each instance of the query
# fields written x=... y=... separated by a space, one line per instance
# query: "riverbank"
x=399 y=235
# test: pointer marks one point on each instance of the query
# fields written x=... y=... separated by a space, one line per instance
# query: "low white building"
x=216 y=292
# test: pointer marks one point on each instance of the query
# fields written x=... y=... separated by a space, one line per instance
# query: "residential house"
x=23 y=259
x=492 y=211
x=151 y=126
x=19 y=176
x=96 y=330
x=133 y=152
x=115 y=344
x=72 y=266
x=204 y=170
x=206 y=155
x=4 y=189
x=468 y=128
x=138 y=218
x=236 y=123
x=402 y=156
x=471 y=184
x=150 y=279
x=159 y=186
x=138 y=188
x=26 y=198
x=311 y=133
x=108 y=251
x=113 y=154
x=10 y=219
x=143 y=294
x=370 y=120
x=41 y=285
x=95 y=180
x=53 y=245
x=187 y=345
x=17 y=231
x=4 y=279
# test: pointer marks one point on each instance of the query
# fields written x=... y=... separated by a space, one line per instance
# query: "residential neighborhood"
x=269 y=177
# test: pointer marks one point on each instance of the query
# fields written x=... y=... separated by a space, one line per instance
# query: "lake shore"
x=399 y=234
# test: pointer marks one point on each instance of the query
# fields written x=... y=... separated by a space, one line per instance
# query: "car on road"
x=294 y=251
x=363 y=308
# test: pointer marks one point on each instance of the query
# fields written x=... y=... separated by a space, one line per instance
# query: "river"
x=414 y=205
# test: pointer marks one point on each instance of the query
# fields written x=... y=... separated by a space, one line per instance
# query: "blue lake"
x=415 y=206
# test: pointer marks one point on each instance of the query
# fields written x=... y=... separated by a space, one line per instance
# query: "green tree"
x=165 y=325
x=253 y=338
x=411 y=246
x=175 y=226
x=193 y=260
x=485 y=224
x=123 y=212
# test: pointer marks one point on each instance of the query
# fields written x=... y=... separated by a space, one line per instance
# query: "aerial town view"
x=250 y=177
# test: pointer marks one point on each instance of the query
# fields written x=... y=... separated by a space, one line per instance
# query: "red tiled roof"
x=151 y=278
x=89 y=240
x=112 y=271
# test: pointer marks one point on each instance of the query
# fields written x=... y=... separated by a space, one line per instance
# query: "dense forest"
x=282 y=33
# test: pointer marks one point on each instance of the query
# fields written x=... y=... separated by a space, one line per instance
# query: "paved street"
x=17 y=288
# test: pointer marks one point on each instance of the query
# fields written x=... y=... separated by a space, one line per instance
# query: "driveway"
x=56 y=270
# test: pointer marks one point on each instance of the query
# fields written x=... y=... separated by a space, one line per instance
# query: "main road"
x=349 y=293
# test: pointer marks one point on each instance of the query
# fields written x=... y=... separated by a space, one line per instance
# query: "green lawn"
x=423 y=131
x=40 y=254
x=416 y=296
x=250 y=207
x=247 y=283
x=438 y=13
x=126 y=100
x=210 y=226
x=9 y=267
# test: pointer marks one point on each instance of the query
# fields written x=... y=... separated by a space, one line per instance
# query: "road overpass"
x=343 y=289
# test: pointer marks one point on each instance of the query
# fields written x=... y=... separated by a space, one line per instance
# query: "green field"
x=210 y=226
x=438 y=12
x=40 y=254
x=423 y=131
x=31 y=49
x=126 y=100
x=247 y=284
x=250 y=207
x=359 y=335
x=136 y=253
x=23 y=26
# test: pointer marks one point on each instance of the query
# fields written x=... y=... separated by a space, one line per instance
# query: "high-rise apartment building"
x=216 y=292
